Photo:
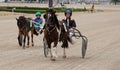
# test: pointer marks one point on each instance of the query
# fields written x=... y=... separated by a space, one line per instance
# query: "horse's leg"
x=28 y=38
x=19 y=39
x=55 y=48
x=65 y=45
x=54 y=51
x=64 y=53
x=32 y=31
x=24 y=41
x=49 y=46
x=51 y=52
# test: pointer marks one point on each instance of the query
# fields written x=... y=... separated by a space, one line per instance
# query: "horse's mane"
x=55 y=17
x=56 y=21
x=23 y=18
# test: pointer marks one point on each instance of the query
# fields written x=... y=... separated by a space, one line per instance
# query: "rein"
x=51 y=29
x=47 y=27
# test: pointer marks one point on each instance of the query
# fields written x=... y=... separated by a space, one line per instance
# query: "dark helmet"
x=68 y=11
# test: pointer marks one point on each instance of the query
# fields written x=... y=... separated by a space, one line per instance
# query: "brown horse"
x=64 y=37
x=51 y=32
x=24 y=26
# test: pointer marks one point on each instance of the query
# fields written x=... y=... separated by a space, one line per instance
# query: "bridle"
x=48 y=26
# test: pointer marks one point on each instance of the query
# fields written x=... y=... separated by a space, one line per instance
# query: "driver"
x=71 y=24
x=38 y=23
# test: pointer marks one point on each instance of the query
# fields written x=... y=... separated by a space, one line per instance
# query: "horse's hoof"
x=32 y=45
x=53 y=59
x=64 y=56
x=83 y=57
x=28 y=46
x=23 y=47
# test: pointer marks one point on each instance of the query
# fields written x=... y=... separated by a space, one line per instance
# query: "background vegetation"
x=34 y=9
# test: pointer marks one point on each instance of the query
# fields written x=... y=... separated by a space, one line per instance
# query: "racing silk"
x=70 y=23
x=38 y=22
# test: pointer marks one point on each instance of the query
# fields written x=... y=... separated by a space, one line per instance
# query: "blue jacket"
x=71 y=24
x=39 y=22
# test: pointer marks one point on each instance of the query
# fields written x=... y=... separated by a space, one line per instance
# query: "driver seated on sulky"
x=38 y=23
x=71 y=24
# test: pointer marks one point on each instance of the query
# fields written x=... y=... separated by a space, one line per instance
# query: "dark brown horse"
x=51 y=31
x=64 y=37
x=25 y=26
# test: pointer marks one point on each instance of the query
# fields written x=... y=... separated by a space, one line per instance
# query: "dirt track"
x=101 y=28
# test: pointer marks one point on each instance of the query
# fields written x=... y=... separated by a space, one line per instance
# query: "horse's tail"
x=57 y=22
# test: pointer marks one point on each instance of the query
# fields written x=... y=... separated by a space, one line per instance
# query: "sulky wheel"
x=77 y=34
x=84 y=45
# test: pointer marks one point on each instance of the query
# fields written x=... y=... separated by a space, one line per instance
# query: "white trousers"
x=71 y=32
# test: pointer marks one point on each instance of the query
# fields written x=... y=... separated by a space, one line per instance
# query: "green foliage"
x=34 y=9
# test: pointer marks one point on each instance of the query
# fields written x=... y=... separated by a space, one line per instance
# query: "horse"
x=64 y=37
x=51 y=32
x=24 y=27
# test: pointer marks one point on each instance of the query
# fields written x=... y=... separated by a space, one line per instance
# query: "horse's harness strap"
x=51 y=29
x=65 y=27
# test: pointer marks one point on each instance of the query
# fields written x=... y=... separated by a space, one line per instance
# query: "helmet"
x=68 y=11
x=38 y=13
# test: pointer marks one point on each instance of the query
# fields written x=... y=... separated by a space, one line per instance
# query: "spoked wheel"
x=77 y=35
x=20 y=40
x=84 y=45
x=45 y=47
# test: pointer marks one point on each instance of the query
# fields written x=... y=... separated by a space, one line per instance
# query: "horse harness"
x=50 y=25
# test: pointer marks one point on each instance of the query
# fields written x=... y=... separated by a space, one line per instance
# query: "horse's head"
x=21 y=22
x=51 y=18
x=49 y=13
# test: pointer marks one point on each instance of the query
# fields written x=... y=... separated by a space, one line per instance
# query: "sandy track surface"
x=101 y=28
